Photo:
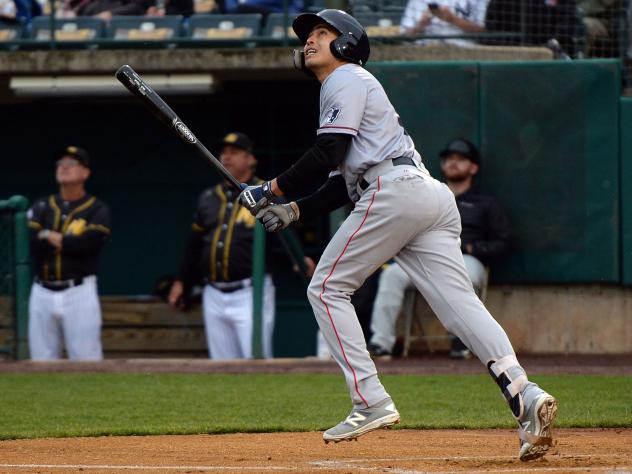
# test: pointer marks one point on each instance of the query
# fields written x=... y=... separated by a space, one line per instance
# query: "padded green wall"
x=626 y=188
x=548 y=133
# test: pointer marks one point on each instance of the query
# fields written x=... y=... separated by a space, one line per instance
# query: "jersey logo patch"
x=77 y=227
x=332 y=115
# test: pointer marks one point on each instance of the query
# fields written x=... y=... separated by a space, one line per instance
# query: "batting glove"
x=278 y=216
x=255 y=198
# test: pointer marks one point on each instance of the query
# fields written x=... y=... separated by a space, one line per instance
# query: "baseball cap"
x=238 y=139
x=77 y=153
x=462 y=147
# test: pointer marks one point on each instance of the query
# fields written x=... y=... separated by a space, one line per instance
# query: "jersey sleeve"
x=343 y=100
x=36 y=215
x=92 y=238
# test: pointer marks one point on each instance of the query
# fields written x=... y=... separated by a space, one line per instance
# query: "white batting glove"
x=278 y=216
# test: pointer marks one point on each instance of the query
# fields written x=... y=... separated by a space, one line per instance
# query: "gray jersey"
x=353 y=102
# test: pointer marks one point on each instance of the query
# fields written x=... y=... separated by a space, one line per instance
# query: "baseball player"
x=219 y=251
x=68 y=231
x=400 y=212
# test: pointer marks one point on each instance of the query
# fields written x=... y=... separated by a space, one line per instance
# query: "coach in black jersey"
x=219 y=253
x=68 y=231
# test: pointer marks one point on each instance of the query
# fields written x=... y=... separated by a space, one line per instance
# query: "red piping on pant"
x=366 y=214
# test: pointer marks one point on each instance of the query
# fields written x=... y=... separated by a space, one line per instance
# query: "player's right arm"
x=40 y=246
x=189 y=272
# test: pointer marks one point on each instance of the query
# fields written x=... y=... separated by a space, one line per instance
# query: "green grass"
x=52 y=405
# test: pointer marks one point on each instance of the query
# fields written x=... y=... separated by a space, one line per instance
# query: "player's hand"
x=278 y=216
x=445 y=14
x=175 y=298
x=255 y=198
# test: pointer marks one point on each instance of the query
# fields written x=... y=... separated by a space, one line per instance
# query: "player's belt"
x=401 y=160
x=230 y=286
x=60 y=285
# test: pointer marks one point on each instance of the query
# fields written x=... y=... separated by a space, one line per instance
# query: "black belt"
x=401 y=160
x=230 y=286
x=60 y=285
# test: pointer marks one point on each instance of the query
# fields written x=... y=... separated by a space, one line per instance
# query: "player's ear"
x=474 y=168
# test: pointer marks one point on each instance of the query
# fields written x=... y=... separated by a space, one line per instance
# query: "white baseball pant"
x=70 y=318
x=408 y=215
x=228 y=321
x=394 y=282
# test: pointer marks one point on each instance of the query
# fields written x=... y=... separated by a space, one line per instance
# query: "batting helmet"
x=353 y=43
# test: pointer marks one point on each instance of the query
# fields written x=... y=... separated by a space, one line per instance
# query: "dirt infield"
x=395 y=452
x=423 y=365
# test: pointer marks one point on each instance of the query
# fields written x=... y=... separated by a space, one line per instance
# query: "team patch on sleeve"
x=332 y=115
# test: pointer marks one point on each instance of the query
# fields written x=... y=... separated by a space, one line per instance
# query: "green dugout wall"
x=550 y=134
x=549 y=137
x=626 y=188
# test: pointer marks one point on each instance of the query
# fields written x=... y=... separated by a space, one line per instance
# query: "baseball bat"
x=159 y=108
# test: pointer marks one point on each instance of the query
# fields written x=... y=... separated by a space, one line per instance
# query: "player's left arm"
x=498 y=239
x=90 y=239
x=342 y=109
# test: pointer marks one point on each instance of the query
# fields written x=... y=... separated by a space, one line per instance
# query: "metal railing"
x=14 y=277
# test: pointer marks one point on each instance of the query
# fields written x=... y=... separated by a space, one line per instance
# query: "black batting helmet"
x=353 y=43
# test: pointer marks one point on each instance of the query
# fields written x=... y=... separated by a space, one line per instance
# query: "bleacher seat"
x=75 y=29
x=314 y=6
x=275 y=25
x=204 y=6
x=381 y=24
x=224 y=26
x=10 y=31
x=140 y=28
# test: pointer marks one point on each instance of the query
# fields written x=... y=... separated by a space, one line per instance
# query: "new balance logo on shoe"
x=525 y=425
x=355 y=418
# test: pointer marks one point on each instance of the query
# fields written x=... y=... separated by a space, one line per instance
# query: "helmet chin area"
x=298 y=59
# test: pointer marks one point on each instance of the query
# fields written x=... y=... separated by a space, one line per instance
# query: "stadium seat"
x=10 y=31
x=140 y=28
x=381 y=24
x=274 y=25
x=75 y=29
x=220 y=26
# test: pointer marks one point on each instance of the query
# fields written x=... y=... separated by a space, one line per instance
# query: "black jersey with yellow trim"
x=85 y=227
x=219 y=248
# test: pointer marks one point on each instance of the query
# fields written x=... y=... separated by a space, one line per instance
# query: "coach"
x=68 y=231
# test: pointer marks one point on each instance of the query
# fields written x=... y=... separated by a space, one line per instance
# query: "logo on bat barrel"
x=184 y=131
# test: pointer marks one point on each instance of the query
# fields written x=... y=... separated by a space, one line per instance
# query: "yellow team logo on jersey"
x=244 y=216
x=76 y=227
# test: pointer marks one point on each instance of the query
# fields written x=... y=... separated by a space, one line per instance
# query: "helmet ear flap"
x=344 y=48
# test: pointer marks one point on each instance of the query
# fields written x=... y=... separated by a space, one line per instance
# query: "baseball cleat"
x=362 y=421
x=535 y=427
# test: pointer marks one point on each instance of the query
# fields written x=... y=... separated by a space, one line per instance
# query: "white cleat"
x=360 y=422
x=535 y=428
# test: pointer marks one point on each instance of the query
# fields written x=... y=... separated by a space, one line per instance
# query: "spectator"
x=603 y=20
x=68 y=231
x=19 y=10
x=543 y=20
x=261 y=6
x=484 y=238
x=172 y=7
x=444 y=18
x=219 y=251
x=105 y=9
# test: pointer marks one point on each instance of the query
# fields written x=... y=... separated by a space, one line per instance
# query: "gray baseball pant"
x=405 y=214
